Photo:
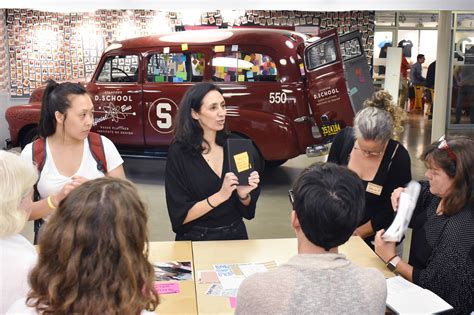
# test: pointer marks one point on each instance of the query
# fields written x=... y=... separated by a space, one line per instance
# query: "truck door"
x=356 y=71
x=328 y=98
x=116 y=92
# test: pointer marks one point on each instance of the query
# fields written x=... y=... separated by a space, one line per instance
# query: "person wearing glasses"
x=382 y=163
x=327 y=202
x=442 y=246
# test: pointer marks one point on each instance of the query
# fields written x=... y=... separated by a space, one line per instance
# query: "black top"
x=430 y=75
x=189 y=179
x=393 y=172
x=442 y=251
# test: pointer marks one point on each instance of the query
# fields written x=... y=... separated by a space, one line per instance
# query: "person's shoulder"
x=258 y=281
x=373 y=279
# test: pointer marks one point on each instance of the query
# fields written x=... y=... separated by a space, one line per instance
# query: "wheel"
x=275 y=163
x=28 y=136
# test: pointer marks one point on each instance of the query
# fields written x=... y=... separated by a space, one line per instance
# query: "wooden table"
x=206 y=254
x=185 y=301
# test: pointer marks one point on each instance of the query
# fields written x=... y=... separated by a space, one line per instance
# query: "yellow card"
x=242 y=161
x=219 y=48
x=180 y=67
x=241 y=78
x=184 y=47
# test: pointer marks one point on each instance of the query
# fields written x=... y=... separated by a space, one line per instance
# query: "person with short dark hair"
x=205 y=200
x=442 y=245
x=67 y=116
x=416 y=74
x=328 y=202
x=94 y=255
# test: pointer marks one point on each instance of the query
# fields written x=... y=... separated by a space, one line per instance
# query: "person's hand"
x=244 y=190
x=395 y=197
x=228 y=185
x=76 y=181
x=385 y=250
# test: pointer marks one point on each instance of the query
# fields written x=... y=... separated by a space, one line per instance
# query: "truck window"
x=175 y=67
x=351 y=49
x=119 y=69
x=243 y=67
x=321 y=54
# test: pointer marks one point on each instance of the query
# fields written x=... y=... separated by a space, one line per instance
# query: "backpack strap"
x=97 y=150
x=39 y=153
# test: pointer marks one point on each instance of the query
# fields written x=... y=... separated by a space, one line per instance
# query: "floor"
x=273 y=209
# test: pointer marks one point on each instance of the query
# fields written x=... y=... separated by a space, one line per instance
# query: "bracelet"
x=207 y=199
x=391 y=259
x=245 y=198
x=50 y=203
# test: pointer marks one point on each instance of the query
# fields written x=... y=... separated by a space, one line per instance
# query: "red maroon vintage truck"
x=287 y=92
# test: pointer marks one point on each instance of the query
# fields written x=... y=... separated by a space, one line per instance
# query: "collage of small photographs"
x=67 y=46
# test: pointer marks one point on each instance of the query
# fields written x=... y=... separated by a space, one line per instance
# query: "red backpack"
x=39 y=157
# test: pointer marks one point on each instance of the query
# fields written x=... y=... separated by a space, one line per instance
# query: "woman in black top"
x=381 y=162
x=204 y=199
x=442 y=246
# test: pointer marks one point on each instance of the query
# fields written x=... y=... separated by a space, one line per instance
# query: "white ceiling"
x=210 y=5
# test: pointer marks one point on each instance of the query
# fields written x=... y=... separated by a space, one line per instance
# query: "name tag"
x=374 y=189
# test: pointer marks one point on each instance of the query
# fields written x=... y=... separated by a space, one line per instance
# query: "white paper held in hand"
x=406 y=205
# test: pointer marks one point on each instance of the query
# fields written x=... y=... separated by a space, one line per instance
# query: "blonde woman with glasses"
x=371 y=150
x=17 y=254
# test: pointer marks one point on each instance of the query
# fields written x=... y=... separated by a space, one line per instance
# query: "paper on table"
x=405 y=297
x=406 y=206
x=218 y=290
x=207 y=276
x=250 y=269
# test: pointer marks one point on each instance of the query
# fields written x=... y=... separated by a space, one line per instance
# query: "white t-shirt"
x=17 y=258
x=51 y=181
x=20 y=308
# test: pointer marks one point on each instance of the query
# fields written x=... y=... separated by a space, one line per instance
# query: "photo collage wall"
x=4 y=77
x=67 y=46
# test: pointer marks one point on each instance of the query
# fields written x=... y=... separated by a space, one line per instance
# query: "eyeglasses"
x=291 y=196
x=443 y=145
x=369 y=153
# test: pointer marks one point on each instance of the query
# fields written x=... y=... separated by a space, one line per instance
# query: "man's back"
x=314 y=284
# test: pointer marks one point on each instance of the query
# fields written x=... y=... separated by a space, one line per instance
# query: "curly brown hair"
x=93 y=255
x=383 y=100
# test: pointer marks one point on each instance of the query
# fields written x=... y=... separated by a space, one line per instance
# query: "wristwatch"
x=392 y=264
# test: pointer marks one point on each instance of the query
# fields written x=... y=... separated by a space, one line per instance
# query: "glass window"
x=175 y=67
x=119 y=69
x=351 y=49
x=408 y=19
x=243 y=67
x=465 y=20
x=320 y=54
x=385 y=18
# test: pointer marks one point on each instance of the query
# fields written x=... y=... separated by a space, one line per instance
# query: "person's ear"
x=194 y=115
x=59 y=117
x=295 y=223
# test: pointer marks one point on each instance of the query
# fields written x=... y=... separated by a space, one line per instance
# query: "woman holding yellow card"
x=209 y=189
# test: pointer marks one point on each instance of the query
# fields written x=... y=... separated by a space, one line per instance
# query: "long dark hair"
x=189 y=132
x=456 y=158
x=55 y=98
x=94 y=254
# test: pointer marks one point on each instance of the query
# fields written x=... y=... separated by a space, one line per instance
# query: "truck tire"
x=275 y=163
x=28 y=136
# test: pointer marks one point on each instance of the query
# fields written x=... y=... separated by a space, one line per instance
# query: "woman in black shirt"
x=381 y=162
x=442 y=246
x=204 y=199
